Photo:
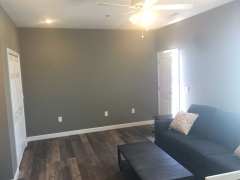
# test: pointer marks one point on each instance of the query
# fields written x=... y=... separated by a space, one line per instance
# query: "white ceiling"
x=86 y=14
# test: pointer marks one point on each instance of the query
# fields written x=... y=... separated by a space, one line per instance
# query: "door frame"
x=158 y=72
x=13 y=53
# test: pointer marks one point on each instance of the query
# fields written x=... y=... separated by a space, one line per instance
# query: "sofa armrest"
x=162 y=125
x=162 y=117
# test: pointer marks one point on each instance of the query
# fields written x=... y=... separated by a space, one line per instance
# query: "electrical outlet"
x=106 y=113
x=133 y=110
x=59 y=119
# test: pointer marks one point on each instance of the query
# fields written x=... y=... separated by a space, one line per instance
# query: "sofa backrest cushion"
x=224 y=129
x=202 y=122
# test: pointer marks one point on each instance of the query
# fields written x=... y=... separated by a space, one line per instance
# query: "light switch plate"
x=186 y=89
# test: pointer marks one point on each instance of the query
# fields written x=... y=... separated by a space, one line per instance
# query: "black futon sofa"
x=209 y=147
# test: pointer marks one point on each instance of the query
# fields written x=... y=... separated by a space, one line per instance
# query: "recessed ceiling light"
x=48 y=21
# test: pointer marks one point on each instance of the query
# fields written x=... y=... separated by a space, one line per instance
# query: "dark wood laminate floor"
x=91 y=156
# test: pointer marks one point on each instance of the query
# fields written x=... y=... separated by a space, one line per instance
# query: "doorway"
x=168 y=82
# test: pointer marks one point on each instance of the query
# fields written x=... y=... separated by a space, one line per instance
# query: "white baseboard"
x=82 y=131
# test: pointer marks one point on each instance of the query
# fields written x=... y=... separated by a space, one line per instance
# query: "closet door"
x=17 y=103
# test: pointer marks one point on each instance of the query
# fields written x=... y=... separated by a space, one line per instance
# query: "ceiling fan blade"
x=135 y=17
x=171 y=7
x=118 y=5
x=122 y=14
x=149 y=3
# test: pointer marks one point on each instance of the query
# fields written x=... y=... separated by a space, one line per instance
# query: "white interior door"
x=17 y=103
x=168 y=82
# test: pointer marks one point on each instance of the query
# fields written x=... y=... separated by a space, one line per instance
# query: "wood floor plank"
x=86 y=171
x=78 y=151
x=144 y=131
x=123 y=136
x=90 y=140
x=57 y=171
x=42 y=170
x=31 y=145
x=69 y=149
x=110 y=166
x=41 y=149
x=53 y=153
x=136 y=137
x=101 y=150
x=91 y=156
x=108 y=140
x=66 y=173
x=63 y=153
x=74 y=169
x=95 y=137
x=83 y=169
x=35 y=169
x=82 y=152
x=50 y=174
x=23 y=164
x=115 y=137
x=28 y=164
x=98 y=171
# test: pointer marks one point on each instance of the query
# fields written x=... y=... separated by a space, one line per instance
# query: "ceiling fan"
x=144 y=10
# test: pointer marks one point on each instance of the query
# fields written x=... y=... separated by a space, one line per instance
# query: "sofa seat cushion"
x=222 y=163
x=172 y=138
x=197 y=150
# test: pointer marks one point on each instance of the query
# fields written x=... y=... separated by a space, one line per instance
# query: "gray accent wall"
x=8 y=39
x=79 y=74
x=209 y=45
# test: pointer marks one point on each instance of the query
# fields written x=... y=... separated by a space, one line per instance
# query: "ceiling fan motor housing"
x=137 y=3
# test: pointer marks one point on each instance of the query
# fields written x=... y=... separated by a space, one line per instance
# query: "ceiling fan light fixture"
x=147 y=18
x=145 y=10
x=134 y=18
